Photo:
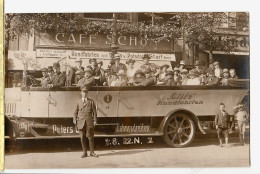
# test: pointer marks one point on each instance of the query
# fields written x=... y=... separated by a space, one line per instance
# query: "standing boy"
x=222 y=121
x=85 y=117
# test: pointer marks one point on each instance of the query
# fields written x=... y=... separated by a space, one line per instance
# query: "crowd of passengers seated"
x=119 y=74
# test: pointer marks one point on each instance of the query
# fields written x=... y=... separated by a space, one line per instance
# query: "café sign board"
x=102 y=42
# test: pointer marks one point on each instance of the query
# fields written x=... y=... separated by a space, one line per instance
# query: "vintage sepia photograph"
x=127 y=90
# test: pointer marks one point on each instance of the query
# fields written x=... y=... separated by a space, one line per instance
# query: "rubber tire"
x=165 y=136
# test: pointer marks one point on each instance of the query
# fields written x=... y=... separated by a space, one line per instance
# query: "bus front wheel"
x=179 y=130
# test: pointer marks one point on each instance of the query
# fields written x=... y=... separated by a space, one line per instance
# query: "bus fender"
x=188 y=113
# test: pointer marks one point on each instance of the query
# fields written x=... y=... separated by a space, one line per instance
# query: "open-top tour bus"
x=173 y=112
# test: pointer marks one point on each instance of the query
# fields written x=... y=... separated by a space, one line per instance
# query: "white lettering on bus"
x=57 y=37
x=62 y=130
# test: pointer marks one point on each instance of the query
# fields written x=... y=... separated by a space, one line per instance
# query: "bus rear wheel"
x=179 y=130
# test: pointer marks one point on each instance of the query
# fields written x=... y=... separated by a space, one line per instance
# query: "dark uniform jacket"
x=222 y=120
x=58 y=80
x=85 y=113
x=150 y=66
x=114 y=68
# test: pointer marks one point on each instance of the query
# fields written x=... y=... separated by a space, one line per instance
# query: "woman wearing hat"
x=121 y=78
x=212 y=79
x=184 y=76
x=182 y=64
x=169 y=80
x=130 y=70
x=176 y=75
x=193 y=78
x=162 y=74
x=225 y=77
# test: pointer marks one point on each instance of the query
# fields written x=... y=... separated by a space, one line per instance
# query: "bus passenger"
x=148 y=80
x=212 y=79
x=162 y=73
x=182 y=64
x=193 y=78
x=114 y=80
x=79 y=75
x=197 y=66
x=203 y=77
x=45 y=77
x=106 y=80
x=130 y=71
x=225 y=77
x=211 y=66
x=117 y=65
x=147 y=65
x=176 y=76
x=217 y=69
x=72 y=79
x=138 y=77
x=96 y=71
x=233 y=74
x=169 y=80
x=184 y=76
x=59 y=78
x=102 y=72
x=121 y=81
x=88 y=78
x=50 y=72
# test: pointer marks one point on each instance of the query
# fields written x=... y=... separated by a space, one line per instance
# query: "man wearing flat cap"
x=59 y=78
x=117 y=65
x=72 y=79
x=212 y=79
x=85 y=118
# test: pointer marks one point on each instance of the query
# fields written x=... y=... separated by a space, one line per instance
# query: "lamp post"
x=113 y=45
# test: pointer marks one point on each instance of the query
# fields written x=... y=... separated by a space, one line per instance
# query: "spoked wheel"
x=179 y=130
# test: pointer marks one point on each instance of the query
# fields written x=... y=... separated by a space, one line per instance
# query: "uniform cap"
x=116 y=56
x=84 y=88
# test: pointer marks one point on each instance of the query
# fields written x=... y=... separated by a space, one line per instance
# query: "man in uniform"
x=59 y=78
x=117 y=65
x=85 y=118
